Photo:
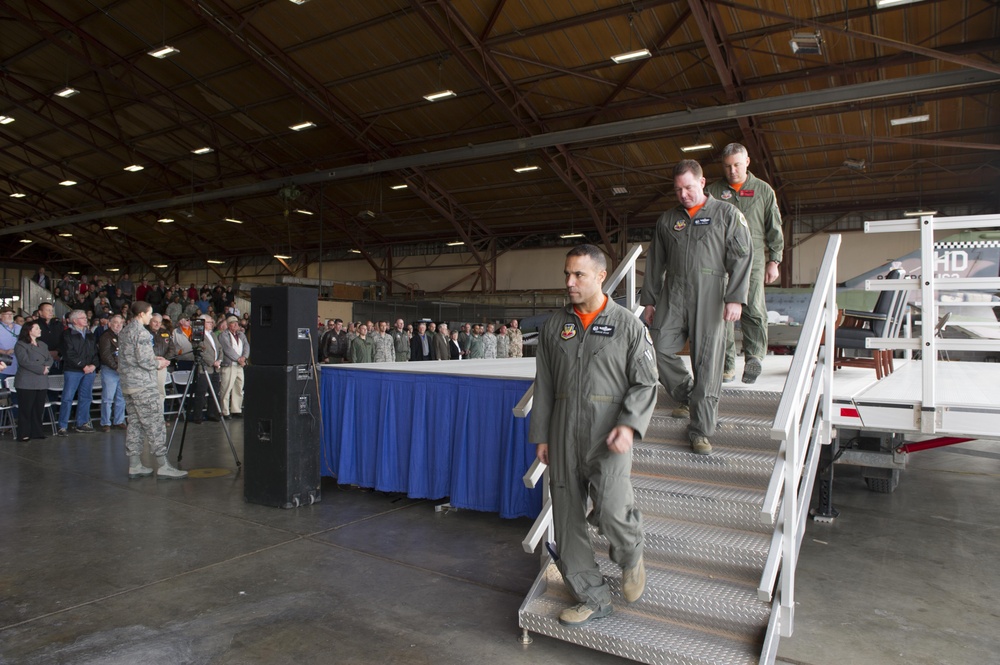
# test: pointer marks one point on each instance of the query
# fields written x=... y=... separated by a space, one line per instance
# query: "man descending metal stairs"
x=595 y=390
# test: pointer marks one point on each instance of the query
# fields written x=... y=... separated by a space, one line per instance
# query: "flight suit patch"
x=568 y=331
x=602 y=329
x=680 y=225
x=746 y=192
x=702 y=221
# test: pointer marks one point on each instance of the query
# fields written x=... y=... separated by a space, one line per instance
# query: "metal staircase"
x=705 y=548
x=719 y=529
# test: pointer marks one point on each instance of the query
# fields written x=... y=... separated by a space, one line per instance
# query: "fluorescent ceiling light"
x=73 y=272
x=302 y=125
x=403 y=186
x=299 y=2
x=696 y=147
x=525 y=169
x=166 y=220
x=806 y=43
x=68 y=183
x=909 y=120
x=134 y=167
x=112 y=269
x=233 y=220
x=619 y=190
x=215 y=262
x=571 y=235
x=202 y=151
x=160 y=265
x=163 y=52
x=882 y=4
x=303 y=211
x=110 y=228
x=6 y=119
x=457 y=243
x=437 y=96
x=920 y=213
x=354 y=251
x=65 y=235
x=631 y=55
x=17 y=195
x=67 y=92
x=856 y=164
x=25 y=241
x=283 y=257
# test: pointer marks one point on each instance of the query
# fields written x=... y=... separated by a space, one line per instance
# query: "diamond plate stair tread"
x=725 y=465
x=700 y=502
x=742 y=402
x=695 y=600
x=640 y=637
x=710 y=550
x=750 y=433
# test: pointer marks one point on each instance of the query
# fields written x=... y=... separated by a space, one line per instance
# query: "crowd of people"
x=367 y=342
x=102 y=297
x=81 y=349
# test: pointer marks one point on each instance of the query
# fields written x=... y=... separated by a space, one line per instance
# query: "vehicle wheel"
x=884 y=485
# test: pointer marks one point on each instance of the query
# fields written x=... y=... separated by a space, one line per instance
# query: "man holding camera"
x=209 y=356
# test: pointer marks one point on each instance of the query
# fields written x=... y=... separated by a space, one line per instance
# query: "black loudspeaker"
x=281 y=425
x=282 y=323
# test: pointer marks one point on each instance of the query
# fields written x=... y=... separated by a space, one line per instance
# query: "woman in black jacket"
x=31 y=381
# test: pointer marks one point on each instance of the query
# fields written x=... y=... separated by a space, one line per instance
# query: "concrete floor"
x=97 y=569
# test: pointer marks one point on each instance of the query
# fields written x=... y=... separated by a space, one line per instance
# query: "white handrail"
x=802 y=425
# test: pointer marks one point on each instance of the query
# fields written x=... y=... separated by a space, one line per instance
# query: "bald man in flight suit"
x=697 y=276
x=756 y=200
x=595 y=390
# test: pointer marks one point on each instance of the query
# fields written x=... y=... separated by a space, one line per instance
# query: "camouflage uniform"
x=385 y=348
x=503 y=346
x=137 y=371
x=516 y=342
x=489 y=345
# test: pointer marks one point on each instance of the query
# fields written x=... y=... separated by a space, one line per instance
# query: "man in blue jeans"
x=112 y=399
x=80 y=363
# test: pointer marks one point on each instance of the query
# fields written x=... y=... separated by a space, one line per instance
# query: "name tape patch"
x=702 y=221
x=602 y=329
x=746 y=192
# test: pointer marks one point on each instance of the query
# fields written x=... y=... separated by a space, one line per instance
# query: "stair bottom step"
x=639 y=637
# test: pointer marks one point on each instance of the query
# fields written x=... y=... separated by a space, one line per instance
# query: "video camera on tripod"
x=197 y=333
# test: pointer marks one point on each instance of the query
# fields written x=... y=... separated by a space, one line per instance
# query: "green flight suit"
x=757 y=202
x=587 y=382
x=476 y=347
x=362 y=350
x=693 y=268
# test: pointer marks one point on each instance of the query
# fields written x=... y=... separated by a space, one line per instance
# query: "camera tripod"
x=192 y=381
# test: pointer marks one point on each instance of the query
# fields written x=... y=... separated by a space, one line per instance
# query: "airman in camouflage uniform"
x=137 y=369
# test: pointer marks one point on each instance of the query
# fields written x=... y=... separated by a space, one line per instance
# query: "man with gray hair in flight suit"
x=697 y=275
x=595 y=390
x=756 y=200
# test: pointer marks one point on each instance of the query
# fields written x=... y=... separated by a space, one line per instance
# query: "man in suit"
x=441 y=338
x=421 y=346
x=42 y=279
x=235 y=353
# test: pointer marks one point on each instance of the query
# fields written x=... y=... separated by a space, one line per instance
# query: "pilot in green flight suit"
x=595 y=389
x=697 y=274
x=756 y=200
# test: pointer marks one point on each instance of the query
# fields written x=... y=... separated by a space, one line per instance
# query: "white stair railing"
x=542 y=527
x=802 y=425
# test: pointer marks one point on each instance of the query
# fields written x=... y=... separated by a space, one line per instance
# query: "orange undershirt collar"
x=739 y=187
x=587 y=319
x=694 y=211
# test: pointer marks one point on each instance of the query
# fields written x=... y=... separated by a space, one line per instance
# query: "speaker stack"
x=281 y=417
